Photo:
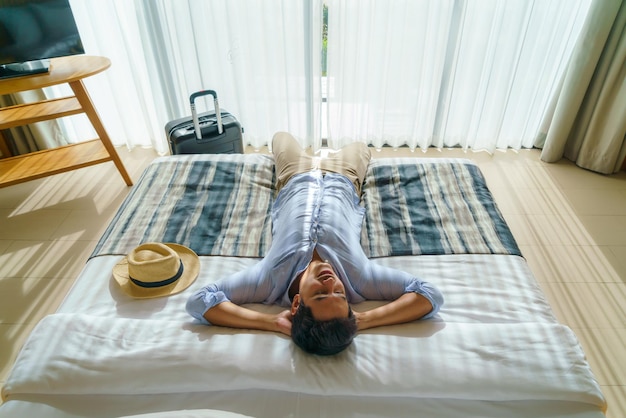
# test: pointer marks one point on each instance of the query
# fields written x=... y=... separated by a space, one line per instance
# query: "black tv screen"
x=33 y=31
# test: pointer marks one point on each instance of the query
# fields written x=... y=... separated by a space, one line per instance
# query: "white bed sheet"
x=477 y=288
x=487 y=295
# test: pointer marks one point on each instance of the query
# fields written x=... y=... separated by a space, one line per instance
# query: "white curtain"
x=471 y=73
x=587 y=123
x=129 y=105
x=260 y=56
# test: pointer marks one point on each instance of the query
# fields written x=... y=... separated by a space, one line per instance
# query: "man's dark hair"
x=322 y=337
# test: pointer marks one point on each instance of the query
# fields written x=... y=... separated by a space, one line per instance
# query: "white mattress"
x=494 y=350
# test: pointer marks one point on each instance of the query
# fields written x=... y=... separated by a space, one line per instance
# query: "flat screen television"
x=32 y=32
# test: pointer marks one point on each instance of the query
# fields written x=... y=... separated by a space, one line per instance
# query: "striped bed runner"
x=221 y=205
x=431 y=207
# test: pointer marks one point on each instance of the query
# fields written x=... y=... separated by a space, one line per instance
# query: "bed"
x=494 y=350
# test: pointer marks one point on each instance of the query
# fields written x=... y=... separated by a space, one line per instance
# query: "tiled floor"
x=570 y=224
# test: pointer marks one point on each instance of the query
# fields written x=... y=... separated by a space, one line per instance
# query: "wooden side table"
x=40 y=164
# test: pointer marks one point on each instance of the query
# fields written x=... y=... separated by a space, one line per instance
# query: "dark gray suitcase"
x=213 y=132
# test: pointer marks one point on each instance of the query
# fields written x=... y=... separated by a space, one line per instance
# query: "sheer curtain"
x=472 y=73
x=128 y=103
x=260 y=56
x=476 y=73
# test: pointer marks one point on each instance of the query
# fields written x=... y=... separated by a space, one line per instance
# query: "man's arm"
x=227 y=314
x=408 y=307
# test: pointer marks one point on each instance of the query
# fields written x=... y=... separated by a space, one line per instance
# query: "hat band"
x=162 y=282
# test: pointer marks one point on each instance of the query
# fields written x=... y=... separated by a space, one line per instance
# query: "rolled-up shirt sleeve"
x=385 y=283
x=430 y=292
x=247 y=286
x=203 y=300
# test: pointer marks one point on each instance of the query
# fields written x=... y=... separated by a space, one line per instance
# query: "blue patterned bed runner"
x=431 y=206
x=220 y=205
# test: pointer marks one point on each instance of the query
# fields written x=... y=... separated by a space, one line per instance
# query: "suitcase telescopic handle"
x=194 y=114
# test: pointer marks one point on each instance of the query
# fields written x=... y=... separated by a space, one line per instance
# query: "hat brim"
x=191 y=268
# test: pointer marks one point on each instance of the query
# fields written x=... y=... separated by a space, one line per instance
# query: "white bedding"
x=477 y=288
x=78 y=354
x=495 y=348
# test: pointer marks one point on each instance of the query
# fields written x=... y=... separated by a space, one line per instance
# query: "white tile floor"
x=570 y=224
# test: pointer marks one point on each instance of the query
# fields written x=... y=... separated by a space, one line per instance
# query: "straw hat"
x=154 y=269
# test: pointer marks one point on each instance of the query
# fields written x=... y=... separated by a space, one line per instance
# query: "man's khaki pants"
x=290 y=159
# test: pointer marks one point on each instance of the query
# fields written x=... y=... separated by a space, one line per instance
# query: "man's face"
x=322 y=291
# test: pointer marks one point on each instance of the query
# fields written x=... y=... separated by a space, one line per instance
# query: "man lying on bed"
x=316 y=264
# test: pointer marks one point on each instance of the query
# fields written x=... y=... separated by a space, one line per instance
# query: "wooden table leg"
x=85 y=101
